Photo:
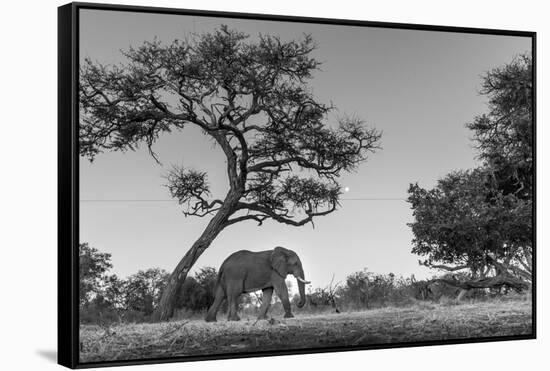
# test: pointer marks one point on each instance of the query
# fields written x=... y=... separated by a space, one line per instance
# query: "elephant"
x=246 y=271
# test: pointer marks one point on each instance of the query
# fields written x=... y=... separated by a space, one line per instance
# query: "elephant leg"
x=266 y=302
x=232 y=301
x=218 y=300
x=282 y=293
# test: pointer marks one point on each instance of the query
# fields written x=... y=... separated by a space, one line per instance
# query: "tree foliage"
x=197 y=293
x=106 y=297
x=252 y=98
x=368 y=289
x=93 y=267
x=463 y=224
x=481 y=219
x=504 y=136
x=143 y=290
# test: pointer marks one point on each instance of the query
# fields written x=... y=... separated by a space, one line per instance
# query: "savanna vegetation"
x=474 y=226
x=422 y=321
x=107 y=299
x=117 y=321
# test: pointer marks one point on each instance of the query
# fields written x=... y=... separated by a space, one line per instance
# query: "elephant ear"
x=278 y=261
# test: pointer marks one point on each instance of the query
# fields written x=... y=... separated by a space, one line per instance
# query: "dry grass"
x=420 y=322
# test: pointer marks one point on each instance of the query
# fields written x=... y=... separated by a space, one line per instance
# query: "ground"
x=420 y=322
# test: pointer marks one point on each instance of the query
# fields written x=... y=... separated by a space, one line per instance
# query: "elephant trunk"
x=299 y=274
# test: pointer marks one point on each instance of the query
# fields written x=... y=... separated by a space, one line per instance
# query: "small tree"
x=115 y=292
x=420 y=290
x=253 y=101
x=325 y=296
x=357 y=288
x=93 y=267
x=143 y=290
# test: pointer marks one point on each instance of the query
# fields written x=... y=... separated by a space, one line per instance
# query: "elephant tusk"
x=303 y=281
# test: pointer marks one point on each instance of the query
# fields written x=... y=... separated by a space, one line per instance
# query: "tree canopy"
x=504 y=135
x=251 y=98
x=461 y=224
x=482 y=219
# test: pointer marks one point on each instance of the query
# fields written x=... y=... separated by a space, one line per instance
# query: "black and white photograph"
x=252 y=186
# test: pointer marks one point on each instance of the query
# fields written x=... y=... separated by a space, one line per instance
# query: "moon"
x=346 y=189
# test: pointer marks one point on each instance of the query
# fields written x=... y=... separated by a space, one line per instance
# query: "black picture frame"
x=68 y=178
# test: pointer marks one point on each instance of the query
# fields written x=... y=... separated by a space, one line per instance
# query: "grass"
x=420 y=322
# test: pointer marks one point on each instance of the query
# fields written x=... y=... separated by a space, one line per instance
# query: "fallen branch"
x=499 y=280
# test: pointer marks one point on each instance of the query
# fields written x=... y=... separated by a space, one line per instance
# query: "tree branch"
x=281 y=218
x=444 y=267
x=257 y=217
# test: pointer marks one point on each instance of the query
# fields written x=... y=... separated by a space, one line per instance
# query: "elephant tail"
x=219 y=280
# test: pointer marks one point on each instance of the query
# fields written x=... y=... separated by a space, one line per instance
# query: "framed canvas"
x=243 y=185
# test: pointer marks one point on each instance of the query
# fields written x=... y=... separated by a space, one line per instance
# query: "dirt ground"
x=420 y=322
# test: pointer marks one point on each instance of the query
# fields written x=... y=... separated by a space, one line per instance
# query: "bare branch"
x=283 y=218
x=257 y=217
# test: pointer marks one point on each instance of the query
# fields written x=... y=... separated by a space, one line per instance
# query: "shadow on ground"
x=50 y=355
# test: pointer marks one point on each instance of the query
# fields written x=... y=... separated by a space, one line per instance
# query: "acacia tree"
x=480 y=220
x=252 y=99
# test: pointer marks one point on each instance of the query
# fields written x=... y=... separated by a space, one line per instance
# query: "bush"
x=106 y=298
x=364 y=290
x=99 y=314
x=197 y=293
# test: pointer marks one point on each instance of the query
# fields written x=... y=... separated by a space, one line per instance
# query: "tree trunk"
x=165 y=308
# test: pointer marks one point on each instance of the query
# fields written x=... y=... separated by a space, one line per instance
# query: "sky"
x=419 y=88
